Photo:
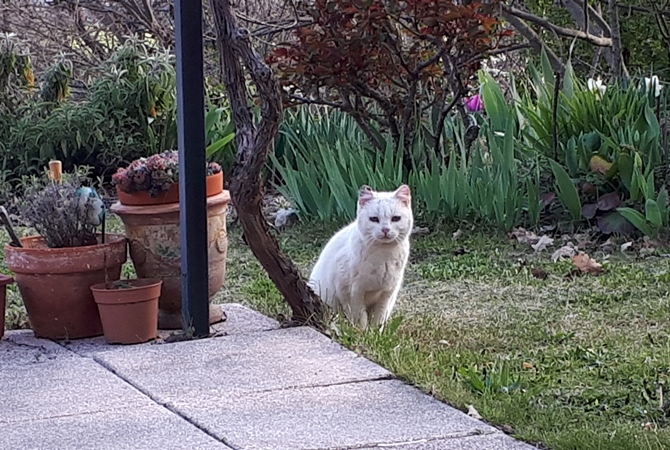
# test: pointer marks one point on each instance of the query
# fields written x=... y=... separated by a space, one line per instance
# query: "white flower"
x=596 y=86
x=654 y=83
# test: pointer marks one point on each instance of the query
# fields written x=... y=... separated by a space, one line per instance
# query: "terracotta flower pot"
x=155 y=249
x=128 y=310
x=214 y=187
x=55 y=284
x=4 y=281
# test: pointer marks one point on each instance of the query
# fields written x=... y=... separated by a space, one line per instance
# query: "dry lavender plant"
x=58 y=213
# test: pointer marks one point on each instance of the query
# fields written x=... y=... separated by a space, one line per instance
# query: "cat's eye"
x=395 y=219
x=374 y=219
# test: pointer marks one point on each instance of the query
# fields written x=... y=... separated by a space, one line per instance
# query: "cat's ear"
x=365 y=194
x=404 y=194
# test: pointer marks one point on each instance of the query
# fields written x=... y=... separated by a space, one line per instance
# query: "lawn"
x=576 y=362
x=571 y=362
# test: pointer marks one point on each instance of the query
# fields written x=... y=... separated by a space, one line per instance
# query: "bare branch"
x=561 y=31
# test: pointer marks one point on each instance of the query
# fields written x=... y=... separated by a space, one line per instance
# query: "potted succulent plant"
x=152 y=229
x=155 y=180
x=128 y=309
x=55 y=269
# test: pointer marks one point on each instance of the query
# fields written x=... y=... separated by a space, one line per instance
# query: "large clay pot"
x=4 y=281
x=214 y=186
x=128 y=309
x=55 y=284
x=155 y=249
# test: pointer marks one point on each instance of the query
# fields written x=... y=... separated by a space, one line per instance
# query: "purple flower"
x=474 y=103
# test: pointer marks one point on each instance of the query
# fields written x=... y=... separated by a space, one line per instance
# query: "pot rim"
x=5 y=280
x=116 y=239
x=150 y=283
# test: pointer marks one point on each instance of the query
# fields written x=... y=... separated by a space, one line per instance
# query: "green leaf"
x=567 y=192
x=218 y=145
x=637 y=219
x=653 y=213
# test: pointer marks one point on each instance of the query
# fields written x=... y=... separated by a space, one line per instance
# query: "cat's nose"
x=386 y=230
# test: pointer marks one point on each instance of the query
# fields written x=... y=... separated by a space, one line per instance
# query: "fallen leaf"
x=472 y=412
x=567 y=251
x=540 y=273
x=524 y=236
x=625 y=246
x=608 y=246
x=600 y=164
x=587 y=264
x=443 y=342
x=421 y=231
x=542 y=244
x=456 y=234
x=527 y=365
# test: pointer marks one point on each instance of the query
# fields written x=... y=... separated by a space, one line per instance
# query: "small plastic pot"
x=128 y=309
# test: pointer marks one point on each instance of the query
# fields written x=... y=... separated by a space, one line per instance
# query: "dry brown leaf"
x=524 y=236
x=527 y=365
x=587 y=264
x=539 y=272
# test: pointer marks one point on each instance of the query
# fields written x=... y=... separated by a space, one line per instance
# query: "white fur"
x=361 y=269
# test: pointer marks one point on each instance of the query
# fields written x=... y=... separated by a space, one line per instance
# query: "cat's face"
x=385 y=217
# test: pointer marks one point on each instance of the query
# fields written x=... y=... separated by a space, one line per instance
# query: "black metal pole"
x=192 y=166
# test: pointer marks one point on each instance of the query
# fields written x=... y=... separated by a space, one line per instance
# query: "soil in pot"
x=4 y=282
x=128 y=309
x=155 y=249
x=55 y=284
x=140 y=198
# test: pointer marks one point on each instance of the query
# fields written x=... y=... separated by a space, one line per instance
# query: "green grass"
x=581 y=363
x=574 y=363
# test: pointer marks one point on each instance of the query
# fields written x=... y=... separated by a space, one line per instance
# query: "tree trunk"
x=254 y=142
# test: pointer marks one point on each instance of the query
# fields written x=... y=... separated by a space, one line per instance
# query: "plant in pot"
x=128 y=309
x=55 y=269
x=149 y=208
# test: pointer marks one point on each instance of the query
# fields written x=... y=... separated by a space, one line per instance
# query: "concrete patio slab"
x=243 y=320
x=240 y=320
x=22 y=347
x=146 y=428
x=60 y=387
x=497 y=441
x=329 y=417
x=229 y=366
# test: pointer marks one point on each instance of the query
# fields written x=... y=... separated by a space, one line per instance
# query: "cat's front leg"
x=356 y=310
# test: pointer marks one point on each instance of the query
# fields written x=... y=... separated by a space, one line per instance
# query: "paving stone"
x=243 y=320
x=233 y=365
x=240 y=320
x=62 y=386
x=339 y=416
x=147 y=428
x=495 y=441
x=22 y=347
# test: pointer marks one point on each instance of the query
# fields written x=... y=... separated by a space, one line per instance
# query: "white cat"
x=361 y=268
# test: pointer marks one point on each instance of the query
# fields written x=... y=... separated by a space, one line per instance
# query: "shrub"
x=128 y=112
